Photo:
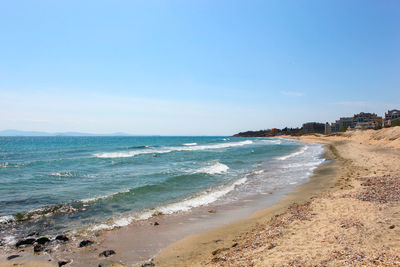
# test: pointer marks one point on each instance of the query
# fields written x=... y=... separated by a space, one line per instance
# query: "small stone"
x=62 y=263
x=392 y=226
x=28 y=241
x=212 y=211
x=156 y=223
x=217 y=251
x=107 y=253
x=148 y=264
x=38 y=248
x=85 y=243
x=234 y=245
x=13 y=257
x=271 y=246
x=62 y=238
x=42 y=240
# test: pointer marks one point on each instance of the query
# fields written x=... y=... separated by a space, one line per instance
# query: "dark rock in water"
x=34 y=233
x=28 y=241
x=42 y=240
x=62 y=263
x=12 y=257
x=156 y=223
x=62 y=238
x=85 y=243
x=38 y=248
x=107 y=253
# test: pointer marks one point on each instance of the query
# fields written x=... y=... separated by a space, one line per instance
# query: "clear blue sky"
x=195 y=67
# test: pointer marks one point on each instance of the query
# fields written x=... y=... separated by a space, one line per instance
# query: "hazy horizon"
x=195 y=67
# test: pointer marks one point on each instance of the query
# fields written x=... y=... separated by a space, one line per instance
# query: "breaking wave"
x=201 y=199
x=168 y=150
x=190 y=144
x=216 y=168
x=298 y=152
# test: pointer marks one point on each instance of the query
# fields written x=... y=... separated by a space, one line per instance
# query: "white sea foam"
x=170 y=149
x=9 y=240
x=87 y=200
x=216 y=168
x=4 y=165
x=61 y=174
x=298 y=152
x=310 y=164
x=272 y=141
x=190 y=144
x=6 y=219
x=203 y=198
x=8 y=165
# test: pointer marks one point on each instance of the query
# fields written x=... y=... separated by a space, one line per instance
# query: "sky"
x=195 y=67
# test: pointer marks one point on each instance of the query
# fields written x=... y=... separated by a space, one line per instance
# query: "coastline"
x=352 y=221
x=196 y=249
x=336 y=218
x=128 y=240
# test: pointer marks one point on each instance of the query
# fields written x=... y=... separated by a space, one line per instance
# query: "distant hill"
x=261 y=133
x=34 y=133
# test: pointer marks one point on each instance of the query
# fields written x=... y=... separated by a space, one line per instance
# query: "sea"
x=63 y=184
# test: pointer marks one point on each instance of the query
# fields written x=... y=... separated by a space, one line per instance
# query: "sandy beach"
x=347 y=214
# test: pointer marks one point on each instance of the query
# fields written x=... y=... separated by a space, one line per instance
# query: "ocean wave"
x=168 y=150
x=298 y=152
x=8 y=165
x=138 y=147
x=275 y=142
x=216 y=168
x=201 y=199
x=306 y=164
x=93 y=199
x=190 y=144
x=45 y=211
x=61 y=174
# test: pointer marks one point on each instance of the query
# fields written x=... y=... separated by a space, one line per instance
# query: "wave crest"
x=201 y=199
x=216 y=168
x=298 y=152
x=171 y=149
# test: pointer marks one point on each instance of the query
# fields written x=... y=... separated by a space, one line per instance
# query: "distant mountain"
x=33 y=133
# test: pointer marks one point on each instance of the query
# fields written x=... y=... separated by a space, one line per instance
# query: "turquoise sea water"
x=57 y=184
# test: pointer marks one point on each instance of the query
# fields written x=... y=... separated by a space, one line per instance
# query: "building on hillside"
x=358 y=121
x=364 y=117
x=328 y=128
x=342 y=124
x=313 y=127
x=392 y=117
x=367 y=125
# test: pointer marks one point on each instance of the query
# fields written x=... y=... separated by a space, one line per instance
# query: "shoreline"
x=193 y=249
x=336 y=218
x=200 y=219
x=352 y=221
